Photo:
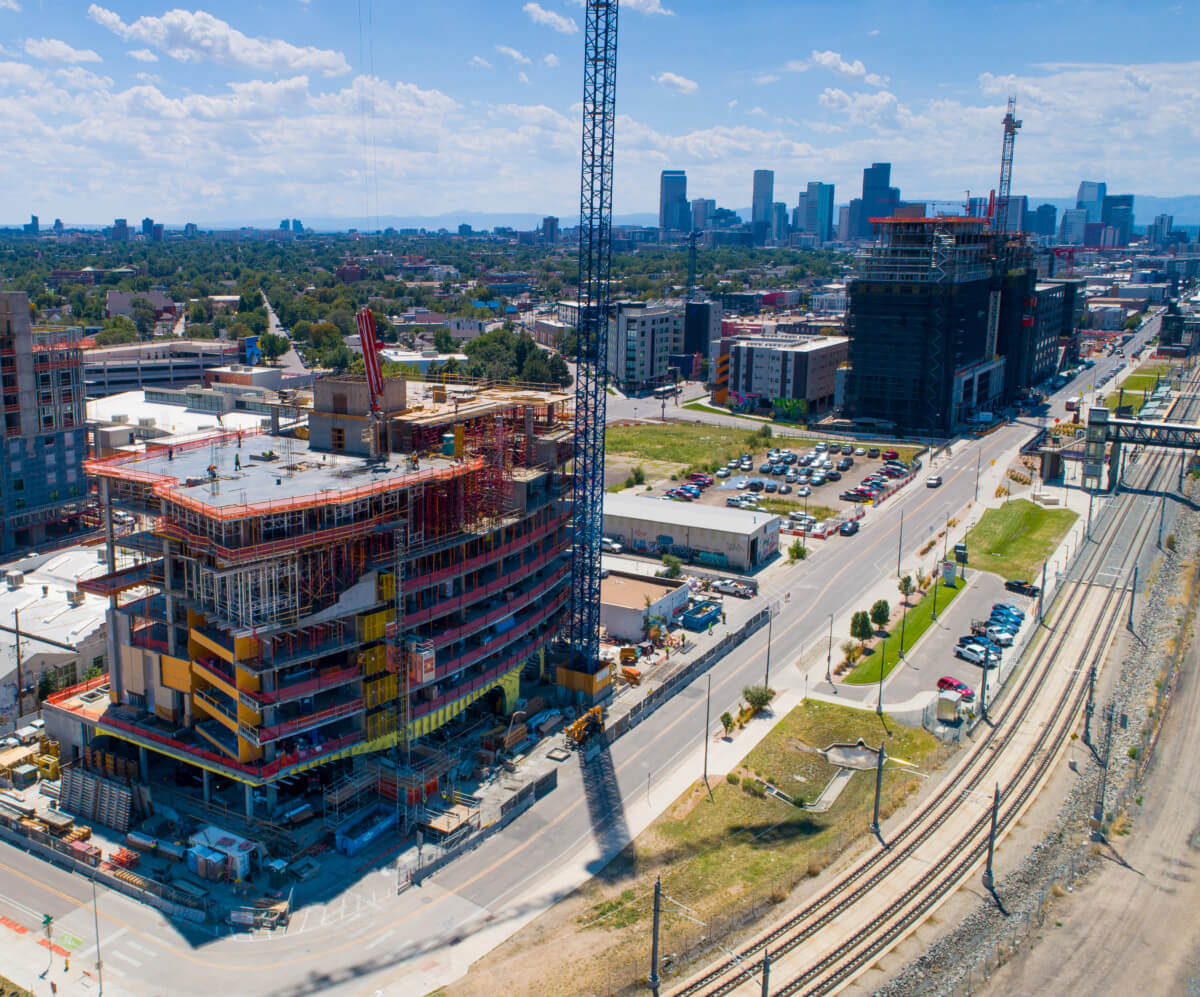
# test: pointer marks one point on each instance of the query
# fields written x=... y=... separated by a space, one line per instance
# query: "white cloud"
x=873 y=32
x=480 y=61
x=53 y=50
x=550 y=59
x=197 y=36
x=153 y=79
x=10 y=5
x=21 y=75
x=733 y=103
x=142 y=55
x=766 y=78
x=550 y=19
x=875 y=110
x=648 y=7
x=834 y=62
x=673 y=81
x=513 y=54
x=522 y=77
x=758 y=112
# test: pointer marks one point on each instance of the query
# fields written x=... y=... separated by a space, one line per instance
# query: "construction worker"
x=237 y=462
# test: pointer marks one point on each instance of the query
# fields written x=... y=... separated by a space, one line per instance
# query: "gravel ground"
x=960 y=961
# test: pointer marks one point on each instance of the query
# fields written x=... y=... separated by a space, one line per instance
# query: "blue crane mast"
x=595 y=261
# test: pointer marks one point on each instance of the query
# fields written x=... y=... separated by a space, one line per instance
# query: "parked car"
x=873 y=452
x=853 y=497
x=859 y=452
x=891 y=455
x=848 y=528
x=845 y=463
x=817 y=480
x=950 y=684
x=1021 y=587
x=610 y=546
x=1007 y=607
x=1000 y=636
x=756 y=485
x=770 y=486
x=791 y=477
x=821 y=447
x=723 y=472
x=933 y=481
x=803 y=491
x=977 y=654
x=734 y=501
x=833 y=475
x=785 y=489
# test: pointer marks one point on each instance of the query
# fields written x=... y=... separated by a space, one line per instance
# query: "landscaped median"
x=885 y=655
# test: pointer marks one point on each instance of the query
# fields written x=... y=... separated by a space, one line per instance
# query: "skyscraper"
x=1046 y=219
x=673 y=207
x=801 y=224
x=703 y=209
x=1117 y=211
x=550 y=230
x=1018 y=211
x=818 y=210
x=760 y=205
x=147 y=227
x=1091 y=198
x=779 y=221
x=1074 y=226
x=879 y=197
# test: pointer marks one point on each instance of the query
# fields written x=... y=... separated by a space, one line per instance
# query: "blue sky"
x=338 y=108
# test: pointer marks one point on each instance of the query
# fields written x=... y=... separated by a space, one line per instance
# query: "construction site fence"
x=656 y=697
x=51 y=849
x=517 y=805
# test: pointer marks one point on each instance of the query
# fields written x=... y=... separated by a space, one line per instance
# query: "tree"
x=117 y=330
x=673 y=566
x=273 y=346
x=143 y=316
x=907 y=587
x=727 y=723
x=860 y=627
x=797 y=551
x=758 y=697
x=881 y=612
x=443 y=341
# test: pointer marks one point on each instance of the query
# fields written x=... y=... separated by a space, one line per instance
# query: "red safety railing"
x=518 y=603
x=295 y=690
x=275 y=732
x=75 y=690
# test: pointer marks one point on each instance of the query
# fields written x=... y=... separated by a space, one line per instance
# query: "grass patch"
x=1015 y=540
x=10 y=989
x=919 y=618
x=702 y=407
x=782 y=506
x=693 y=446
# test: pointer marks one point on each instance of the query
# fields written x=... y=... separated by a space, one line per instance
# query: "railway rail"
x=945 y=874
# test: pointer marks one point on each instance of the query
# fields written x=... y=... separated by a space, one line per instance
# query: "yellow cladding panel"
x=373 y=660
x=248 y=715
x=247 y=752
x=176 y=673
x=247 y=679
x=387 y=586
x=246 y=648
x=582 y=681
x=372 y=626
x=459 y=440
x=213 y=679
x=210 y=645
x=216 y=714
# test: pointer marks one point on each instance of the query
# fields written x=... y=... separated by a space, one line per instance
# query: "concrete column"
x=272 y=796
x=207 y=786
x=249 y=800
x=143 y=764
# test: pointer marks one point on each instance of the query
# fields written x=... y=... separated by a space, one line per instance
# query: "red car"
x=890 y=455
x=948 y=684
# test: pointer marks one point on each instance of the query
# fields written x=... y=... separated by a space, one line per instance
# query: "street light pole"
x=707 y=723
x=978 y=463
x=882 y=657
x=99 y=961
x=879 y=759
x=899 y=544
x=829 y=653
x=770 y=628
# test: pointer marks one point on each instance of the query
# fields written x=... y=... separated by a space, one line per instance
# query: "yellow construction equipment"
x=632 y=675
x=591 y=722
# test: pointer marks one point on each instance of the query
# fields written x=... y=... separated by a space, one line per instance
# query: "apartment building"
x=641 y=338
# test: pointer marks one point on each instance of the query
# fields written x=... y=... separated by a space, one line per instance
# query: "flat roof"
x=720 y=519
x=632 y=591
x=169 y=420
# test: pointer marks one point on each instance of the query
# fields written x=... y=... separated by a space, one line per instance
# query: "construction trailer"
x=341 y=592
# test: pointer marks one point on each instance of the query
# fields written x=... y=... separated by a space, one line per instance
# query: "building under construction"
x=935 y=308
x=360 y=587
x=44 y=493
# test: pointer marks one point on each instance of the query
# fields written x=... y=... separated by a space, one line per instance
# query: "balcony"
x=477 y=621
x=221 y=708
x=307 y=722
x=290 y=691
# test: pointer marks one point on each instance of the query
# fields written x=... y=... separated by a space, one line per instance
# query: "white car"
x=723 y=472
x=610 y=546
x=974 y=653
x=999 y=636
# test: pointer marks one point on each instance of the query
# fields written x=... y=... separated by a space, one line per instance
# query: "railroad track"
x=946 y=873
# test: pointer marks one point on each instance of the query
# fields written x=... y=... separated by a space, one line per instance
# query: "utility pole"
x=983 y=691
x=1089 y=522
x=1162 y=512
x=882 y=657
x=707 y=722
x=988 y=879
x=1042 y=592
x=771 y=611
x=829 y=653
x=1132 y=595
x=1090 y=709
x=654 y=980
x=879 y=759
x=899 y=544
x=99 y=961
x=935 y=587
x=903 y=617
x=766 y=980
x=17 y=635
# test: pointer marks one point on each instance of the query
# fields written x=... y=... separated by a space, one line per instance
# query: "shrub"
x=731 y=778
x=639 y=475
x=881 y=612
x=906 y=587
x=674 y=566
x=753 y=787
x=1171 y=542
x=797 y=551
x=727 y=722
x=860 y=626
x=758 y=697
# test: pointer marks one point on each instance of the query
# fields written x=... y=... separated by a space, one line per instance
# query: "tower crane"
x=595 y=259
x=1011 y=124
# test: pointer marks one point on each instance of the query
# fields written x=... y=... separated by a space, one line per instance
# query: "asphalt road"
x=372 y=937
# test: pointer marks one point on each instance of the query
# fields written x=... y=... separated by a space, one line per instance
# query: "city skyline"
x=232 y=112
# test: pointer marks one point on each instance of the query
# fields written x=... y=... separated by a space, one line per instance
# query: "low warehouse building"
x=721 y=537
x=630 y=604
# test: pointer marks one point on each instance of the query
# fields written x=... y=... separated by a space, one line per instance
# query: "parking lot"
x=819 y=480
x=934 y=657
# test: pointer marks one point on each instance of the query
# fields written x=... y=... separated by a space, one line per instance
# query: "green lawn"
x=1015 y=539
x=920 y=616
x=698 y=446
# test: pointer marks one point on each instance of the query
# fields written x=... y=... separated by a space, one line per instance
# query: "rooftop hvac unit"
x=75 y=597
x=147 y=422
x=15 y=579
x=120 y=417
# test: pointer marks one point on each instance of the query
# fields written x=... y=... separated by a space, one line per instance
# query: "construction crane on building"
x=1011 y=124
x=595 y=260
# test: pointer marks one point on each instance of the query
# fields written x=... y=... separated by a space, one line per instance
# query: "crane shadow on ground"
x=606 y=810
